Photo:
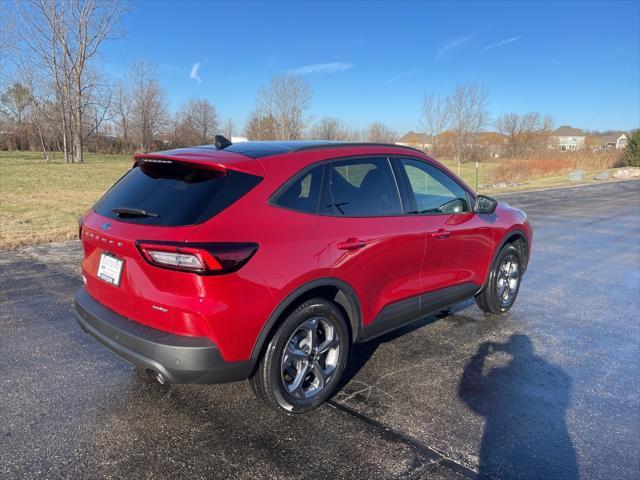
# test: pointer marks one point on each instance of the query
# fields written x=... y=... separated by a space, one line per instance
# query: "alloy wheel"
x=310 y=358
x=507 y=280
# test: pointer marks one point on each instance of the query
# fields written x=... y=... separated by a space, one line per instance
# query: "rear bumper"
x=178 y=358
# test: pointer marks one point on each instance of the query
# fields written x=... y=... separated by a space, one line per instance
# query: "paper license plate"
x=110 y=269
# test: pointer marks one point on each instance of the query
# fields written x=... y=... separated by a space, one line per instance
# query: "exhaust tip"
x=161 y=379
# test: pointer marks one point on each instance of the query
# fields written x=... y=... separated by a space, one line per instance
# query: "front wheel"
x=503 y=285
x=304 y=360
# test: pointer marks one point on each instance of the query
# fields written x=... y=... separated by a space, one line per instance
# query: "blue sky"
x=366 y=61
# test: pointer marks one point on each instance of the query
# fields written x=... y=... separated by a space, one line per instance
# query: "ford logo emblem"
x=105 y=226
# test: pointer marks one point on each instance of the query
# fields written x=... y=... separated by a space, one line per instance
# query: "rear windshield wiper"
x=133 y=212
x=339 y=206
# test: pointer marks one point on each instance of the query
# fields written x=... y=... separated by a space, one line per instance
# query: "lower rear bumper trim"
x=178 y=358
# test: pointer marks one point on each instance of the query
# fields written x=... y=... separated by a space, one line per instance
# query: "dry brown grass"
x=548 y=164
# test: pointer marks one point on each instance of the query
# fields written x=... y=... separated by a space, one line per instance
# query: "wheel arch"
x=330 y=288
x=519 y=239
x=516 y=237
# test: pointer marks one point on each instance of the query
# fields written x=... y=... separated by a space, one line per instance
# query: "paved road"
x=551 y=391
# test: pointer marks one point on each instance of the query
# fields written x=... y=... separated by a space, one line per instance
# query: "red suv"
x=268 y=260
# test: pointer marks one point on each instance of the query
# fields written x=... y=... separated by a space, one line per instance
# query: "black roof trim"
x=268 y=148
x=360 y=144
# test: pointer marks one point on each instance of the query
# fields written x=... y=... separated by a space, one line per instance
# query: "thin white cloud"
x=451 y=46
x=193 y=75
x=400 y=76
x=501 y=43
x=329 y=68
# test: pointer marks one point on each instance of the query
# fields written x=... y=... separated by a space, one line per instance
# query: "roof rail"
x=355 y=144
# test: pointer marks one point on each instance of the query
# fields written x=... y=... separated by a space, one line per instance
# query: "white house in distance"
x=615 y=141
x=418 y=140
x=567 y=138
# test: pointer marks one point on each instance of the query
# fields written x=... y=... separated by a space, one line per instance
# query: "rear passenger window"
x=361 y=187
x=302 y=193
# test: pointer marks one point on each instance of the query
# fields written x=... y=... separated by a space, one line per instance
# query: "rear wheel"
x=502 y=288
x=304 y=360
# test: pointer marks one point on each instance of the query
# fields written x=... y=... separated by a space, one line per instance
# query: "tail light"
x=201 y=258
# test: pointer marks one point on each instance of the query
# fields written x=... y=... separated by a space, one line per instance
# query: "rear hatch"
x=160 y=202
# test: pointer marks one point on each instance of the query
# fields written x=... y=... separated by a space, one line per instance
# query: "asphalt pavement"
x=550 y=391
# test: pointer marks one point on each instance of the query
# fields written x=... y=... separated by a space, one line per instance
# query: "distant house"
x=567 y=138
x=418 y=140
x=615 y=141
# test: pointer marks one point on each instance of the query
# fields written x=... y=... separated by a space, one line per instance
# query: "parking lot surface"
x=552 y=390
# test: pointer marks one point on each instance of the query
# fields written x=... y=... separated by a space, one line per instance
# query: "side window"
x=302 y=193
x=434 y=191
x=362 y=187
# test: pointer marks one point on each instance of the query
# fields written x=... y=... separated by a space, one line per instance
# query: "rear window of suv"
x=173 y=194
x=362 y=187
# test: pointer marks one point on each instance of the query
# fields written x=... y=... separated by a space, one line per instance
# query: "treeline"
x=59 y=99
x=456 y=125
x=134 y=116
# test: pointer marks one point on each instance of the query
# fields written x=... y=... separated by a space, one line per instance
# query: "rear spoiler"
x=156 y=158
x=208 y=158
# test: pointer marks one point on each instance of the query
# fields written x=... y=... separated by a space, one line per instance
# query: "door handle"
x=441 y=233
x=351 y=244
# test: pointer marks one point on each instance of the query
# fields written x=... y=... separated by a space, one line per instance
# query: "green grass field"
x=41 y=202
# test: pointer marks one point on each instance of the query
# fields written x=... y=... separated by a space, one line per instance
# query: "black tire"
x=283 y=361
x=502 y=287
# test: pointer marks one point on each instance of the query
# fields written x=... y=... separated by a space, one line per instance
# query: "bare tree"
x=38 y=44
x=63 y=37
x=96 y=103
x=121 y=113
x=353 y=134
x=41 y=106
x=15 y=105
x=329 y=129
x=148 y=104
x=87 y=25
x=261 y=127
x=229 y=128
x=435 y=117
x=524 y=132
x=197 y=122
x=467 y=107
x=7 y=43
x=379 y=133
x=286 y=99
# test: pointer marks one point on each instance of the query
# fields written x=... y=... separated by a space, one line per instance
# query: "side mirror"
x=485 y=204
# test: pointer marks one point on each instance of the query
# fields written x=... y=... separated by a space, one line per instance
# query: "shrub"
x=631 y=154
x=550 y=163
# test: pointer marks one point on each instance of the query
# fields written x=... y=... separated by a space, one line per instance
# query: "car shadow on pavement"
x=362 y=352
x=523 y=399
